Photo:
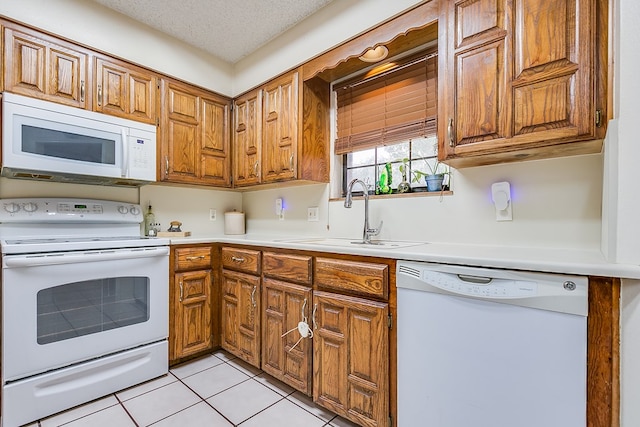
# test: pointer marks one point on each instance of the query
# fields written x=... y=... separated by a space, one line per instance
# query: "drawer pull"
x=181 y=291
x=253 y=293
x=194 y=258
x=450 y=133
x=237 y=259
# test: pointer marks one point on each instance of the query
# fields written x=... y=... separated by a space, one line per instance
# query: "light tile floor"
x=217 y=390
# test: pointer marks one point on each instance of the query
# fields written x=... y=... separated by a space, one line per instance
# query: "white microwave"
x=47 y=141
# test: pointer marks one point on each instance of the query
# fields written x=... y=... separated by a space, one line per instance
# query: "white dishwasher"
x=479 y=347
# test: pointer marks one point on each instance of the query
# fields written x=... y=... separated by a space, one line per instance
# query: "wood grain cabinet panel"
x=125 y=91
x=44 y=67
x=362 y=278
x=191 y=302
x=247 y=139
x=241 y=315
x=246 y=260
x=280 y=124
x=519 y=80
x=288 y=267
x=194 y=136
x=281 y=132
x=351 y=357
x=192 y=258
x=288 y=357
x=193 y=312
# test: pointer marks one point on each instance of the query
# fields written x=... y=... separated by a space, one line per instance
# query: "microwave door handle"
x=125 y=153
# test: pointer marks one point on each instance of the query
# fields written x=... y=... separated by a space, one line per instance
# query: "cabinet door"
x=280 y=125
x=241 y=315
x=247 y=139
x=215 y=141
x=179 y=129
x=42 y=67
x=516 y=78
x=351 y=357
x=286 y=358
x=193 y=312
x=125 y=91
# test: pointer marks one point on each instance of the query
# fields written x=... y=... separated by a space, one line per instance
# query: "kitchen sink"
x=375 y=244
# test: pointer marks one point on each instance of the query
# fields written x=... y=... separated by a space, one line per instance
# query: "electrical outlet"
x=279 y=207
x=312 y=214
x=212 y=215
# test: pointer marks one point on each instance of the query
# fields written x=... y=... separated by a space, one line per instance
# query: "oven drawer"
x=241 y=259
x=192 y=258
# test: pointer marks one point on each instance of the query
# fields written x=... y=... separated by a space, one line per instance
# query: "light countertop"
x=569 y=261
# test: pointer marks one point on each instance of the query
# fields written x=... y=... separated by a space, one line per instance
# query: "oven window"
x=66 y=145
x=92 y=306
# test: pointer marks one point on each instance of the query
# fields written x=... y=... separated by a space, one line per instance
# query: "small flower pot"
x=434 y=182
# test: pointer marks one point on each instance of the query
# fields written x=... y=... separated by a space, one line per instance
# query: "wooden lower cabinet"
x=191 y=302
x=351 y=357
x=193 y=312
x=241 y=315
x=287 y=358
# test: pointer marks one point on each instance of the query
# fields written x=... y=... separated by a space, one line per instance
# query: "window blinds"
x=392 y=107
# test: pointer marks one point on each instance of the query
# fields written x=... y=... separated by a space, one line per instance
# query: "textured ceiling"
x=228 y=29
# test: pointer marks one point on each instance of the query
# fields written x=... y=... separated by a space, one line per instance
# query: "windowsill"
x=400 y=195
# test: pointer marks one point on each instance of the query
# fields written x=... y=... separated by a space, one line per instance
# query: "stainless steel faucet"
x=367 y=232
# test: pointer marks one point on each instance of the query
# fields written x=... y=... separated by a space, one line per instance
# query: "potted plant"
x=433 y=176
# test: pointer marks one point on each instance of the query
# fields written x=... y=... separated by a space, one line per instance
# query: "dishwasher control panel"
x=480 y=286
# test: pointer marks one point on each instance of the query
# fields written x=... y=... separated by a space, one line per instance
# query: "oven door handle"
x=87 y=256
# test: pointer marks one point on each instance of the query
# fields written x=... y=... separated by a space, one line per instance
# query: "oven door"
x=64 y=308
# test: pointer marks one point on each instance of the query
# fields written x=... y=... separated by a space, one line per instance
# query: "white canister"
x=234 y=222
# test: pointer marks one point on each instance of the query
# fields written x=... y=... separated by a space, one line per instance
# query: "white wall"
x=104 y=29
x=329 y=27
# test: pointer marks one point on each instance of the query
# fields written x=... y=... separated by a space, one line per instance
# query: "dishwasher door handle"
x=475 y=279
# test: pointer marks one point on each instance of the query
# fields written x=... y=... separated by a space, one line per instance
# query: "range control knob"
x=134 y=210
x=12 y=207
x=123 y=209
x=30 y=207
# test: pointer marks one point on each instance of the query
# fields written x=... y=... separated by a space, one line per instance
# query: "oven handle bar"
x=86 y=256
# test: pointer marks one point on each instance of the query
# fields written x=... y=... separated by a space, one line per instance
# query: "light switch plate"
x=313 y=214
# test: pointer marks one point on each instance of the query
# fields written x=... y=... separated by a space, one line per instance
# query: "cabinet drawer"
x=241 y=259
x=192 y=258
x=361 y=278
x=294 y=268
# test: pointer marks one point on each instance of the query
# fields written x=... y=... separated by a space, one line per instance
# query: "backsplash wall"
x=556 y=204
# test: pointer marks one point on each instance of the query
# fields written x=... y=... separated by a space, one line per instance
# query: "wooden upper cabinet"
x=247 y=139
x=124 y=90
x=194 y=136
x=281 y=132
x=44 y=67
x=280 y=123
x=518 y=80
